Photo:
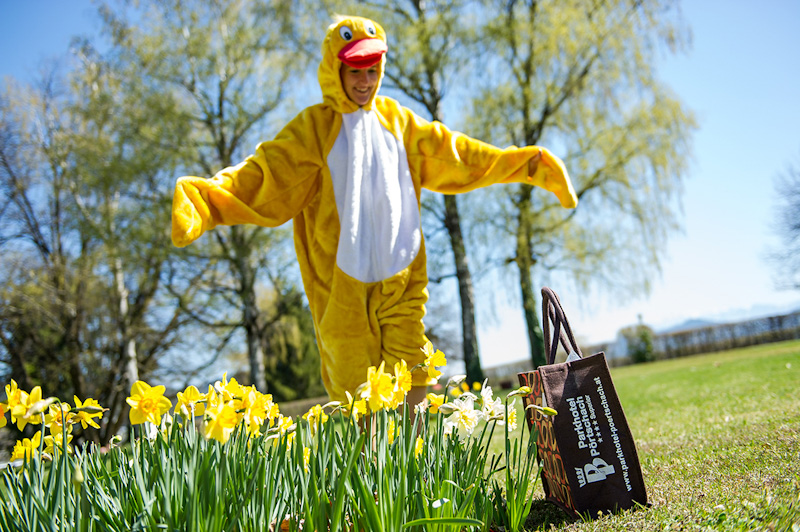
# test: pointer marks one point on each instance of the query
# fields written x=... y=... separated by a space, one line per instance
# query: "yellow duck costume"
x=350 y=177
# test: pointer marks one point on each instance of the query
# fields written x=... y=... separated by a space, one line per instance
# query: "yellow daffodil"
x=190 y=403
x=355 y=408
x=476 y=386
x=212 y=398
x=402 y=382
x=229 y=389
x=87 y=411
x=220 y=421
x=433 y=359
x=59 y=416
x=284 y=425
x=306 y=458
x=3 y=410
x=419 y=446
x=379 y=389
x=390 y=430
x=271 y=409
x=22 y=402
x=315 y=417
x=435 y=400
x=252 y=408
x=13 y=394
x=56 y=442
x=147 y=403
x=27 y=448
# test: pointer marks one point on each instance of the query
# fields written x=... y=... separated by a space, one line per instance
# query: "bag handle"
x=552 y=312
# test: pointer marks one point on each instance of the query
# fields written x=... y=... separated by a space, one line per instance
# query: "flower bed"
x=228 y=459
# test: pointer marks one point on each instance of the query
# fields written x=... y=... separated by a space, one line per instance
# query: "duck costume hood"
x=357 y=42
x=350 y=179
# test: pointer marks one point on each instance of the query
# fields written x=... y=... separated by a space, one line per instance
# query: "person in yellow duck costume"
x=349 y=172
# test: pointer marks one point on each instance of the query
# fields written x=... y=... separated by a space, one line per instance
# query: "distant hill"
x=688 y=325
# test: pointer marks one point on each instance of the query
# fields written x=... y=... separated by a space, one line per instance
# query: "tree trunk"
x=250 y=312
x=472 y=361
x=255 y=353
x=128 y=343
x=452 y=221
x=525 y=261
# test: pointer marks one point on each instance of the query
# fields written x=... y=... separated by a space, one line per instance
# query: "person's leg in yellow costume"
x=365 y=324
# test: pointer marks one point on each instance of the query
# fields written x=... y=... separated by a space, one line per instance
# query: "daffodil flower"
x=379 y=388
x=390 y=429
x=190 y=403
x=59 y=416
x=284 y=424
x=402 y=382
x=435 y=400
x=229 y=389
x=285 y=427
x=355 y=408
x=252 y=407
x=26 y=448
x=55 y=441
x=147 y=403
x=221 y=420
x=271 y=409
x=3 y=410
x=511 y=415
x=315 y=417
x=87 y=411
x=419 y=446
x=491 y=407
x=13 y=394
x=464 y=417
x=22 y=402
x=433 y=359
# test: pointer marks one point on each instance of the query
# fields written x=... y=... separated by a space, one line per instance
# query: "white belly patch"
x=378 y=211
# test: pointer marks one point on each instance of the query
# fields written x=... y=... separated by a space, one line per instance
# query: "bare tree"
x=786 y=258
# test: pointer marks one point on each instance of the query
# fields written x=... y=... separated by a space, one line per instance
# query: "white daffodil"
x=464 y=417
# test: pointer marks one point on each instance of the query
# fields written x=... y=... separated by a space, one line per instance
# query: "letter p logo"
x=598 y=470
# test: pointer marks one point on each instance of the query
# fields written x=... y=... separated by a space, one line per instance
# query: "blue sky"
x=742 y=79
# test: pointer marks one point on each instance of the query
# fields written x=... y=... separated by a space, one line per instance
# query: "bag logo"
x=598 y=470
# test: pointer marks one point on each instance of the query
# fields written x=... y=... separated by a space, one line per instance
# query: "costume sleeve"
x=450 y=162
x=269 y=188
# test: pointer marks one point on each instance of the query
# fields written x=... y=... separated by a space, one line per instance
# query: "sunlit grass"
x=718 y=437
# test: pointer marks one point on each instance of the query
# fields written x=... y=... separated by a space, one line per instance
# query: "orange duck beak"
x=363 y=53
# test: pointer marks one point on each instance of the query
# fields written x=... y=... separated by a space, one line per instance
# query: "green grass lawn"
x=718 y=437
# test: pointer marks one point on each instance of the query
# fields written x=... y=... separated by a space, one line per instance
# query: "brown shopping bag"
x=588 y=457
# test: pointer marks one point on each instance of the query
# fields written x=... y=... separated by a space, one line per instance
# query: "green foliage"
x=83 y=247
x=578 y=78
x=227 y=68
x=385 y=473
x=639 y=342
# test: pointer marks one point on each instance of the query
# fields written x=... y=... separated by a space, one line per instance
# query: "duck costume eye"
x=346 y=33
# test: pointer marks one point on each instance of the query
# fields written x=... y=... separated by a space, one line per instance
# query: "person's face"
x=359 y=83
